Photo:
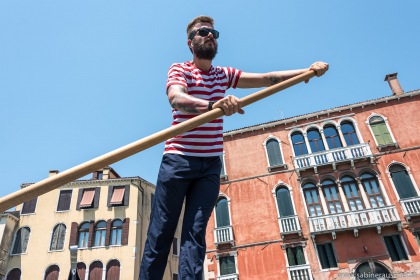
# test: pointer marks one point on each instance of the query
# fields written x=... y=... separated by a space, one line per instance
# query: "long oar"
x=90 y=166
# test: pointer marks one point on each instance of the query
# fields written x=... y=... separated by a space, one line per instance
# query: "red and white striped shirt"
x=207 y=139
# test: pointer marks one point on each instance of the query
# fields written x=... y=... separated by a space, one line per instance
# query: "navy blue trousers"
x=197 y=179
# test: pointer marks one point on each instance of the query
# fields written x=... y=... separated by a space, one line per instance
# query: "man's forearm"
x=181 y=100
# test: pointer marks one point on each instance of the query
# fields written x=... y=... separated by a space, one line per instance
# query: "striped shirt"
x=207 y=139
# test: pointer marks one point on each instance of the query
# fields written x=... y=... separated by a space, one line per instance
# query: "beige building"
x=93 y=229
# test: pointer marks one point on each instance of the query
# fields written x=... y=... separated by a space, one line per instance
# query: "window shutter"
x=403 y=184
x=29 y=206
x=330 y=255
x=322 y=255
x=402 y=255
x=222 y=213
x=300 y=257
x=25 y=238
x=386 y=136
x=227 y=265
x=273 y=151
x=391 y=249
x=64 y=200
x=291 y=257
x=125 y=228
x=377 y=133
x=79 y=198
x=91 y=233
x=96 y=198
x=110 y=191
x=61 y=236
x=108 y=232
x=284 y=202
x=73 y=234
x=127 y=195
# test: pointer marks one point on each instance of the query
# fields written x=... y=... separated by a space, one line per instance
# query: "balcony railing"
x=411 y=206
x=333 y=156
x=289 y=225
x=223 y=235
x=353 y=220
x=228 y=277
x=300 y=272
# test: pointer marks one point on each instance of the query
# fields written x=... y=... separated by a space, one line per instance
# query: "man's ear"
x=189 y=43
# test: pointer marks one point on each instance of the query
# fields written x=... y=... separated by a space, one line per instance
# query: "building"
x=326 y=195
x=8 y=222
x=93 y=229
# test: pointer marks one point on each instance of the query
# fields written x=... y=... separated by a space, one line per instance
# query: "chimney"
x=394 y=84
x=106 y=171
x=52 y=173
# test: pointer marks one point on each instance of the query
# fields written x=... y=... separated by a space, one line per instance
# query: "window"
x=326 y=255
x=349 y=133
x=14 y=274
x=371 y=268
x=299 y=144
x=57 y=238
x=395 y=248
x=332 y=198
x=84 y=235
x=52 y=273
x=88 y=198
x=95 y=270
x=227 y=265
x=118 y=196
x=29 y=206
x=371 y=185
x=222 y=213
x=312 y=199
x=274 y=153
x=21 y=241
x=100 y=233
x=116 y=232
x=64 y=200
x=284 y=202
x=380 y=131
x=402 y=181
x=175 y=246
x=417 y=236
x=315 y=141
x=332 y=137
x=81 y=271
x=352 y=193
x=113 y=270
x=295 y=256
x=223 y=170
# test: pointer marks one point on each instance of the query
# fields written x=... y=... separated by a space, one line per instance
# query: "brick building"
x=322 y=195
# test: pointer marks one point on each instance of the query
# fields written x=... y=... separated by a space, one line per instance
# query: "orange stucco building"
x=326 y=195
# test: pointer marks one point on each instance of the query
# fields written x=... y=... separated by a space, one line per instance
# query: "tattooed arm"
x=181 y=100
x=255 y=80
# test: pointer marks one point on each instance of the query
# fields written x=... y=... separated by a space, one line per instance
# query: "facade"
x=88 y=229
x=326 y=195
x=8 y=222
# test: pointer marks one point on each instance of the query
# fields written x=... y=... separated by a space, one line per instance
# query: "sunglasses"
x=203 y=32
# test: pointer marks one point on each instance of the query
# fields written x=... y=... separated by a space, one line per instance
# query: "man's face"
x=204 y=47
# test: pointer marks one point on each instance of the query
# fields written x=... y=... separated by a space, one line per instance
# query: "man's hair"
x=197 y=20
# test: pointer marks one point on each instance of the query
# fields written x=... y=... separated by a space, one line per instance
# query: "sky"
x=79 y=79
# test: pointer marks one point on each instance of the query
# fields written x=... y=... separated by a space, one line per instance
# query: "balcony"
x=289 y=225
x=377 y=217
x=332 y=157
x=410 y=206
x=228 y=277
x=299 y=272
x=223 y=235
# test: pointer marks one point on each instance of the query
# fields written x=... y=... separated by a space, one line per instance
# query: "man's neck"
x=202 y=64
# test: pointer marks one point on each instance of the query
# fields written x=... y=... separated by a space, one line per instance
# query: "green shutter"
x=227 y=265
x=322 y=256
x=284 y=202
x=222 y=213
x=273 y=152
x=377 y=133
x=386 y=136
x=291 y=257
x=300 y=257
x=402 y=255
x=330 y=255
x=391 y=249
x=403 y=184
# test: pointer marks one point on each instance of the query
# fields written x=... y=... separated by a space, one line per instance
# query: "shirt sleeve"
x=176 y=76
x=233 y=76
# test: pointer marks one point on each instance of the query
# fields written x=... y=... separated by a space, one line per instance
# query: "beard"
x=204 y=50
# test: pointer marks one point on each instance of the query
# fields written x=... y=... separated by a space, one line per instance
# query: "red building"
x=326 y=195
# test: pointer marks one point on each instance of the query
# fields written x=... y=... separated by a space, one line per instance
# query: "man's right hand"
x=230 y=105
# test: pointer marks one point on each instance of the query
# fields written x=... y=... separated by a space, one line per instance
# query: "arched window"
x=371 y=185
x=116 y=232
x=100 y=233
x=222 y=213
x=332 y=137
x=84 y=235
x=81 y=271
x=284 y=202
x=95 y=270
x=299 y=144
x=315 y=141
x=332 y=197
x=349 y=133
x=352 y=192
x=273 y=152
x=57 y=238
x=14 y=274
x=372 y=268
x=52 y=272
x=402 y=181
x=380 y=131
x=21 y=241
x=313 y=202
x=113 y=270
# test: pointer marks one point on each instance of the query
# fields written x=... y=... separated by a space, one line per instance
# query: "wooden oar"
x=90 y=166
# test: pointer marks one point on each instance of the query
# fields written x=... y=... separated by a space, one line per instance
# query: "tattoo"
x=275 y=80
x=182 y=101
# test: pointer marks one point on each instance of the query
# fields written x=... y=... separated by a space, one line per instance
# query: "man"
x=191 y=165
